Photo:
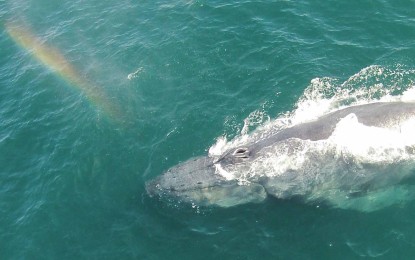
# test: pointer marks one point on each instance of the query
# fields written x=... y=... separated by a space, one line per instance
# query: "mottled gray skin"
x=197 y=180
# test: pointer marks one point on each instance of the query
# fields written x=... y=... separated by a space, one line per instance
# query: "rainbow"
x=54 y=60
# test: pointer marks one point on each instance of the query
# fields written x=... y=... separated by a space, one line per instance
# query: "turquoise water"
x=98 y=97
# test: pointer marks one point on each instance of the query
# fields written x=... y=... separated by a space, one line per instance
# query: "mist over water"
x=98 y=97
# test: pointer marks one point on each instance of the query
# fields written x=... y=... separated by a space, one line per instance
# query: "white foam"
x=219 y=147
x=408 y=95
x=135 y=74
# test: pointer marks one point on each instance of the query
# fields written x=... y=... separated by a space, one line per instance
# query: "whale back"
x=381 y=114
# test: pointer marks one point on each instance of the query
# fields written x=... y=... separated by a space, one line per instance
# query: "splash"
x=325 y=95
x=53 y=59
x=371 y=84
x=134 y=74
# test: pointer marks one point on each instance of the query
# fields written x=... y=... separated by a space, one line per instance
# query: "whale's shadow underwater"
x=357 y=157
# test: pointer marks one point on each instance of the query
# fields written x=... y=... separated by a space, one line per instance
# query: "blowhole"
x=241 y=152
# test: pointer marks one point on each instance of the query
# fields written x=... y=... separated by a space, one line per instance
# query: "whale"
x=359 y=157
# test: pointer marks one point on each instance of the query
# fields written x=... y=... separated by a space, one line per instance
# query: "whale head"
x=198 y=182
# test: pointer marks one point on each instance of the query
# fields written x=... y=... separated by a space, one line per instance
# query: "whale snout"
x=194 y=174
x=197 y=182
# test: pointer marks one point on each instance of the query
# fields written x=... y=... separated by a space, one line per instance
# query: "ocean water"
x=97 y=97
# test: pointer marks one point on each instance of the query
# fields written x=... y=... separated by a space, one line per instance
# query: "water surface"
x=97 y=97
